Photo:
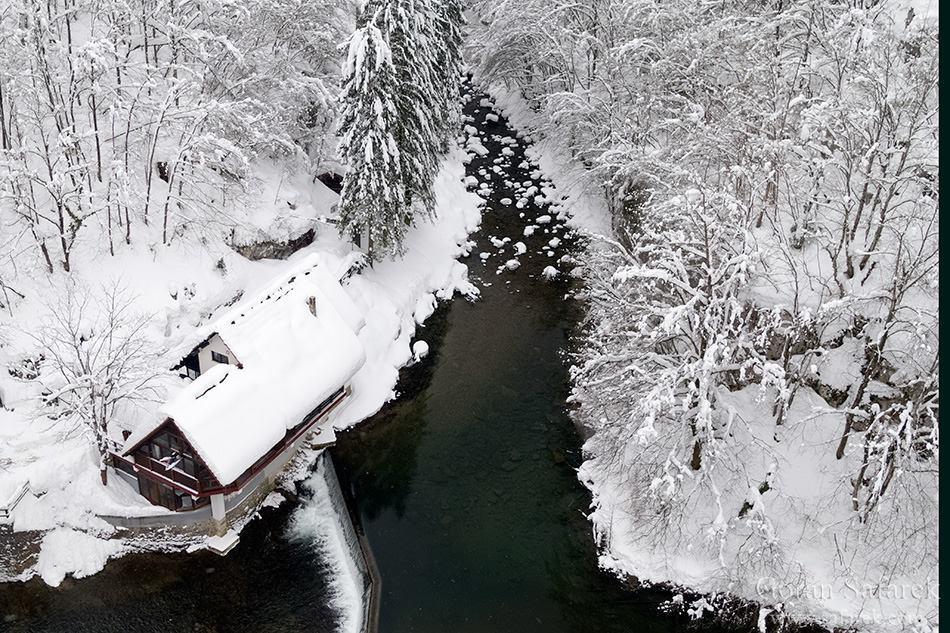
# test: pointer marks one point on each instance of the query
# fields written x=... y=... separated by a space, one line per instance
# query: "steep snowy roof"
x=291 y=360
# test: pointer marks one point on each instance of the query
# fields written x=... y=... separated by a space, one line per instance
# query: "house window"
x=183 y=501
x=219 y=358
x=191 y=365
x=123 y=465
x=157 y=493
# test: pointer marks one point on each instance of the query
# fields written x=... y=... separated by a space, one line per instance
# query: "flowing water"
x=275 y=580
x=465 y=485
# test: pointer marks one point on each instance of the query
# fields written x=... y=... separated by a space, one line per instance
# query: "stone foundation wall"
x=238 y=514
x=269 y=249
x=18 y=551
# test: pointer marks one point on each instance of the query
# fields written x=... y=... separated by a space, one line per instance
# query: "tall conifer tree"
x=373 y=195
x=407 y=95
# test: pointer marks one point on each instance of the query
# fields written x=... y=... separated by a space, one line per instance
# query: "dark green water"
x=466 y=486
x=274 y=581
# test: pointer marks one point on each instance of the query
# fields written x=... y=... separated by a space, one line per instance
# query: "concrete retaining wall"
x=357 y=542
x=18 y=551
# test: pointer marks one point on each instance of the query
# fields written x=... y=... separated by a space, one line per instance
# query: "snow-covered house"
x=264 y=376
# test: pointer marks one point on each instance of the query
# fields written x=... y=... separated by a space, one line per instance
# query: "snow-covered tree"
x=670 y=334
x=96 y=362
x=374 y=195
x=139 y=120
x=400 y=106
x=810 y=130
x=450 y=20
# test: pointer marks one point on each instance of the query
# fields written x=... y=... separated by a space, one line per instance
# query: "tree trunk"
x=95 y=128
x=695 y=461
x=4 y=135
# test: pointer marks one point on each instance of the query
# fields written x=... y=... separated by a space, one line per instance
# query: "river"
x=465 y=485
x=274 y=581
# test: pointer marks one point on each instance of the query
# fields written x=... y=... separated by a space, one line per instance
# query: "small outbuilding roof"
x=291 y=359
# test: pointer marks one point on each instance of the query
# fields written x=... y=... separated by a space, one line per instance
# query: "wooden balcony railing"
x=183 y=479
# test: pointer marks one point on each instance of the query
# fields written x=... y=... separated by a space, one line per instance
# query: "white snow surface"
x=222 y=543
x=66 y=551
x=420 y=349
x=182 y=287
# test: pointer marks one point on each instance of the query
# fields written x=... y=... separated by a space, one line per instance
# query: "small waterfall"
x=324 y=520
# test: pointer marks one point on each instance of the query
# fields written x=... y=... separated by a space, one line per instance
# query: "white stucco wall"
x=215 y=344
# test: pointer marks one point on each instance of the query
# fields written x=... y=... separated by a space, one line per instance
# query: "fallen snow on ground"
x=66 y=551
x=222 y=543
x=420 y=349
x=182 y=287
x=817 y=570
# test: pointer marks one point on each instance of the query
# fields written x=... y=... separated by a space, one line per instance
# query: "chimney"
x=312 y=304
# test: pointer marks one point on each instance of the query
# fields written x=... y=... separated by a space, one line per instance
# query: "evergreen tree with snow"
x=420 y=101
x=450 y=21
x=401 y=87
x=373 y=196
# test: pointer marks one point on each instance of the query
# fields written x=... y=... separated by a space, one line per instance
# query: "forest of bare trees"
x=134 y=121
x=771 y=172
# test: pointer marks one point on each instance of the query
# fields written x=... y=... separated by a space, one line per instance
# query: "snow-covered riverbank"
x=179 y=288
x=820 y=568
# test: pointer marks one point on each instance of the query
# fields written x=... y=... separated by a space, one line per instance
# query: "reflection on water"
x=273 y=581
